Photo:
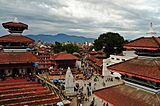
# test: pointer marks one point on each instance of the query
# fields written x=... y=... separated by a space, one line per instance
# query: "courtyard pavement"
x=96 y=85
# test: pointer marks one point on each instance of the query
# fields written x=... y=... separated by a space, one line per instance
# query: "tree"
x=57 y=47
x=70 y=48
x=112 y=42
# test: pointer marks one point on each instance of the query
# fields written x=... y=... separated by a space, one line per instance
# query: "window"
x=117 y=59
x=123 y=60
x=112 y=73
x=112 y=58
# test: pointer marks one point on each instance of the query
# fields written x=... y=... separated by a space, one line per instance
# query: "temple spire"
x=151 y=24
x=15 y=20
x=151 y=31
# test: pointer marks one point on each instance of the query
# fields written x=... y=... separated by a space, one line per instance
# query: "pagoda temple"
x=62 y=61
x=144 y=69
x=141 y=75
x=16 y=57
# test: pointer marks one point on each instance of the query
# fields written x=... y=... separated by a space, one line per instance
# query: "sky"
x=88 y=18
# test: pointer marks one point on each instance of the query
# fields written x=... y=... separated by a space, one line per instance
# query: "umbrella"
x=56 y=80
x=60 y=104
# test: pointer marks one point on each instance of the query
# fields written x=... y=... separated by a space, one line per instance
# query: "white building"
x=113 y=59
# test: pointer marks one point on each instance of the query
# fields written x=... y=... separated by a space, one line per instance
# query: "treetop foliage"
x=69 y=48
x=112 y=43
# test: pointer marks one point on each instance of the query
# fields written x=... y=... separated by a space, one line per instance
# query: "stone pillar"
x=20 y=71
x=10 y=72
x=69 y=81
x=6 y=72
x=105 y=71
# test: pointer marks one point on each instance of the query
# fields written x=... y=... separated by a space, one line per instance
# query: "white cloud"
x=88 y=18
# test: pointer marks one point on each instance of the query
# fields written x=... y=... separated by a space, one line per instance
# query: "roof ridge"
x=158 y=98
x=157 y=64
x=109 y=87
x=156 y=40
x=133 y=41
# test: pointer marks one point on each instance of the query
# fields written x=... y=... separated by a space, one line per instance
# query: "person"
x=88 y=93
x=95 y=79
x=103 y=83
x=85 y=97
x=94 y=85
x=107 y=104
x=92 y=103
x=104 y=104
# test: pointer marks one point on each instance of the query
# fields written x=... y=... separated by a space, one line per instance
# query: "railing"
x=45 y=81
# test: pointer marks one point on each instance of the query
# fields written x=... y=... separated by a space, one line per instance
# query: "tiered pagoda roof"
x=124 y=95
x=16 y=38
x=15 y=26
x=144 y=43
x=145 y=68
x=14 y=58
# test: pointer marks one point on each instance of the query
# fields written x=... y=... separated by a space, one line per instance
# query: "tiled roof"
x=15 y=24
x=146 y=68
x=64 y=56
x=16 y=38
x=93 y=52
x=20 y=92
x=149 y=43
x=124 y=95
x=20 y=57
x=97 y=61
x=92 y=58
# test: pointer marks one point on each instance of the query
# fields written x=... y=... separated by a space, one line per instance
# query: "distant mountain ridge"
x=60 y=38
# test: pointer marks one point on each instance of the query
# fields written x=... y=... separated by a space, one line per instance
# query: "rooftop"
x=97 y=61
x=21 y=92
x=141 y=67
x=64 y=56
x=15 y=25
x=20 y=57
x=146 y=43
x=16 y=38
x=124 y=95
